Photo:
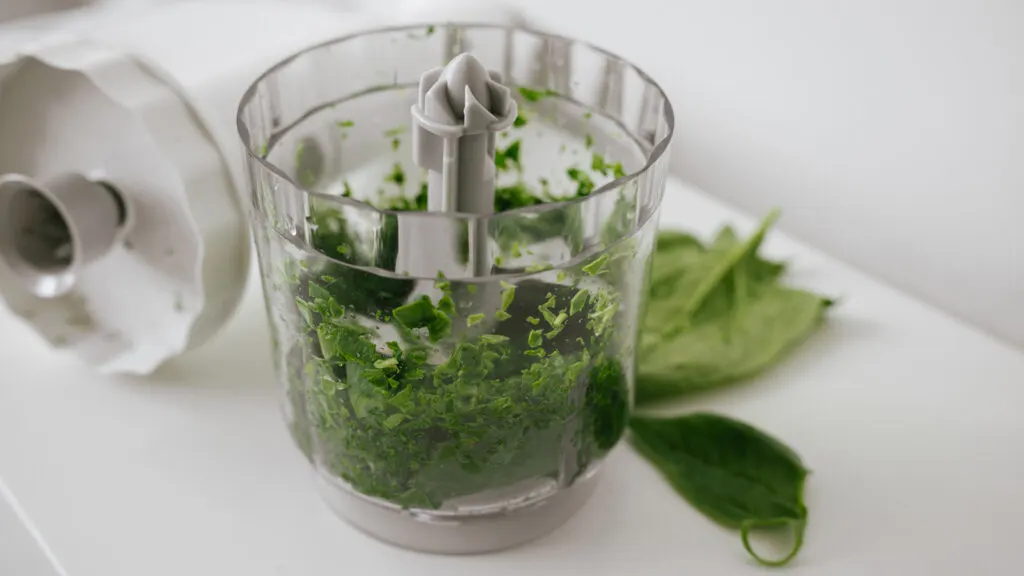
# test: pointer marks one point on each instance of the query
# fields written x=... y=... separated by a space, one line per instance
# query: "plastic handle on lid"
x=460 y=109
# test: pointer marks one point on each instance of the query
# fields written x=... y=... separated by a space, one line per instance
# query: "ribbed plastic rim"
x=657 y=151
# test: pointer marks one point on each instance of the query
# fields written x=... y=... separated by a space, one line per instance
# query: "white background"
x=891 y=132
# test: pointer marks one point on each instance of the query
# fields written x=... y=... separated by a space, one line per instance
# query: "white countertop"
x=909 y=420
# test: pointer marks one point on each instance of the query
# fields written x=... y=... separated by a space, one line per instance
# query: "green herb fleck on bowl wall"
x=534 y=95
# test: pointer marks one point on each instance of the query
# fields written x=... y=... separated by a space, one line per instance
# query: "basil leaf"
x=734 y=345
x=716 y=314
x=686 y=274
x=732 y=473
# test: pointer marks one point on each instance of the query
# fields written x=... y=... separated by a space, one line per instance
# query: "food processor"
x=455 y=225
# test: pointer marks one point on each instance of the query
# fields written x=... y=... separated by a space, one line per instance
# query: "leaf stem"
x=728 y=264
x=797 y=525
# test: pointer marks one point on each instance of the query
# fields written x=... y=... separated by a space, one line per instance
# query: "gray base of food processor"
x=458 y=533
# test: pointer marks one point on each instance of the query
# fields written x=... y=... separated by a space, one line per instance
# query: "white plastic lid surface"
x=124 y=239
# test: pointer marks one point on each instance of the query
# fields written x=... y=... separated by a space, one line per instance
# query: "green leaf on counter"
x=729 y=347
x=732 y=473
x=717 y=314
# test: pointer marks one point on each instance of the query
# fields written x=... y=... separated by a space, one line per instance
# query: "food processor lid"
x=158 y=259
x=115 y=206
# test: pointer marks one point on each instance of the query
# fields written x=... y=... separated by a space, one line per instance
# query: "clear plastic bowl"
x=446 y=411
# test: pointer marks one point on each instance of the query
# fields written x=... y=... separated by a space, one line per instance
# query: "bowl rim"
x=657 y=152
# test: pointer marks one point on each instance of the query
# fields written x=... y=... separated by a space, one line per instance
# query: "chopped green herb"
x=588 y=141
x=392 y=422
x=438 y=449
x=397 y=175
x=441 y=413
x=584 y=184
x=578 y=302
x=386 y=364
x=600 y=165
x=520 y=120
x=532 y=95
x=443 y=284
x=421 y=198
x=508 y=294
x=508 y=158
x=417 y=314
x=345 y=125
x=597 y=266
x=515 y=196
